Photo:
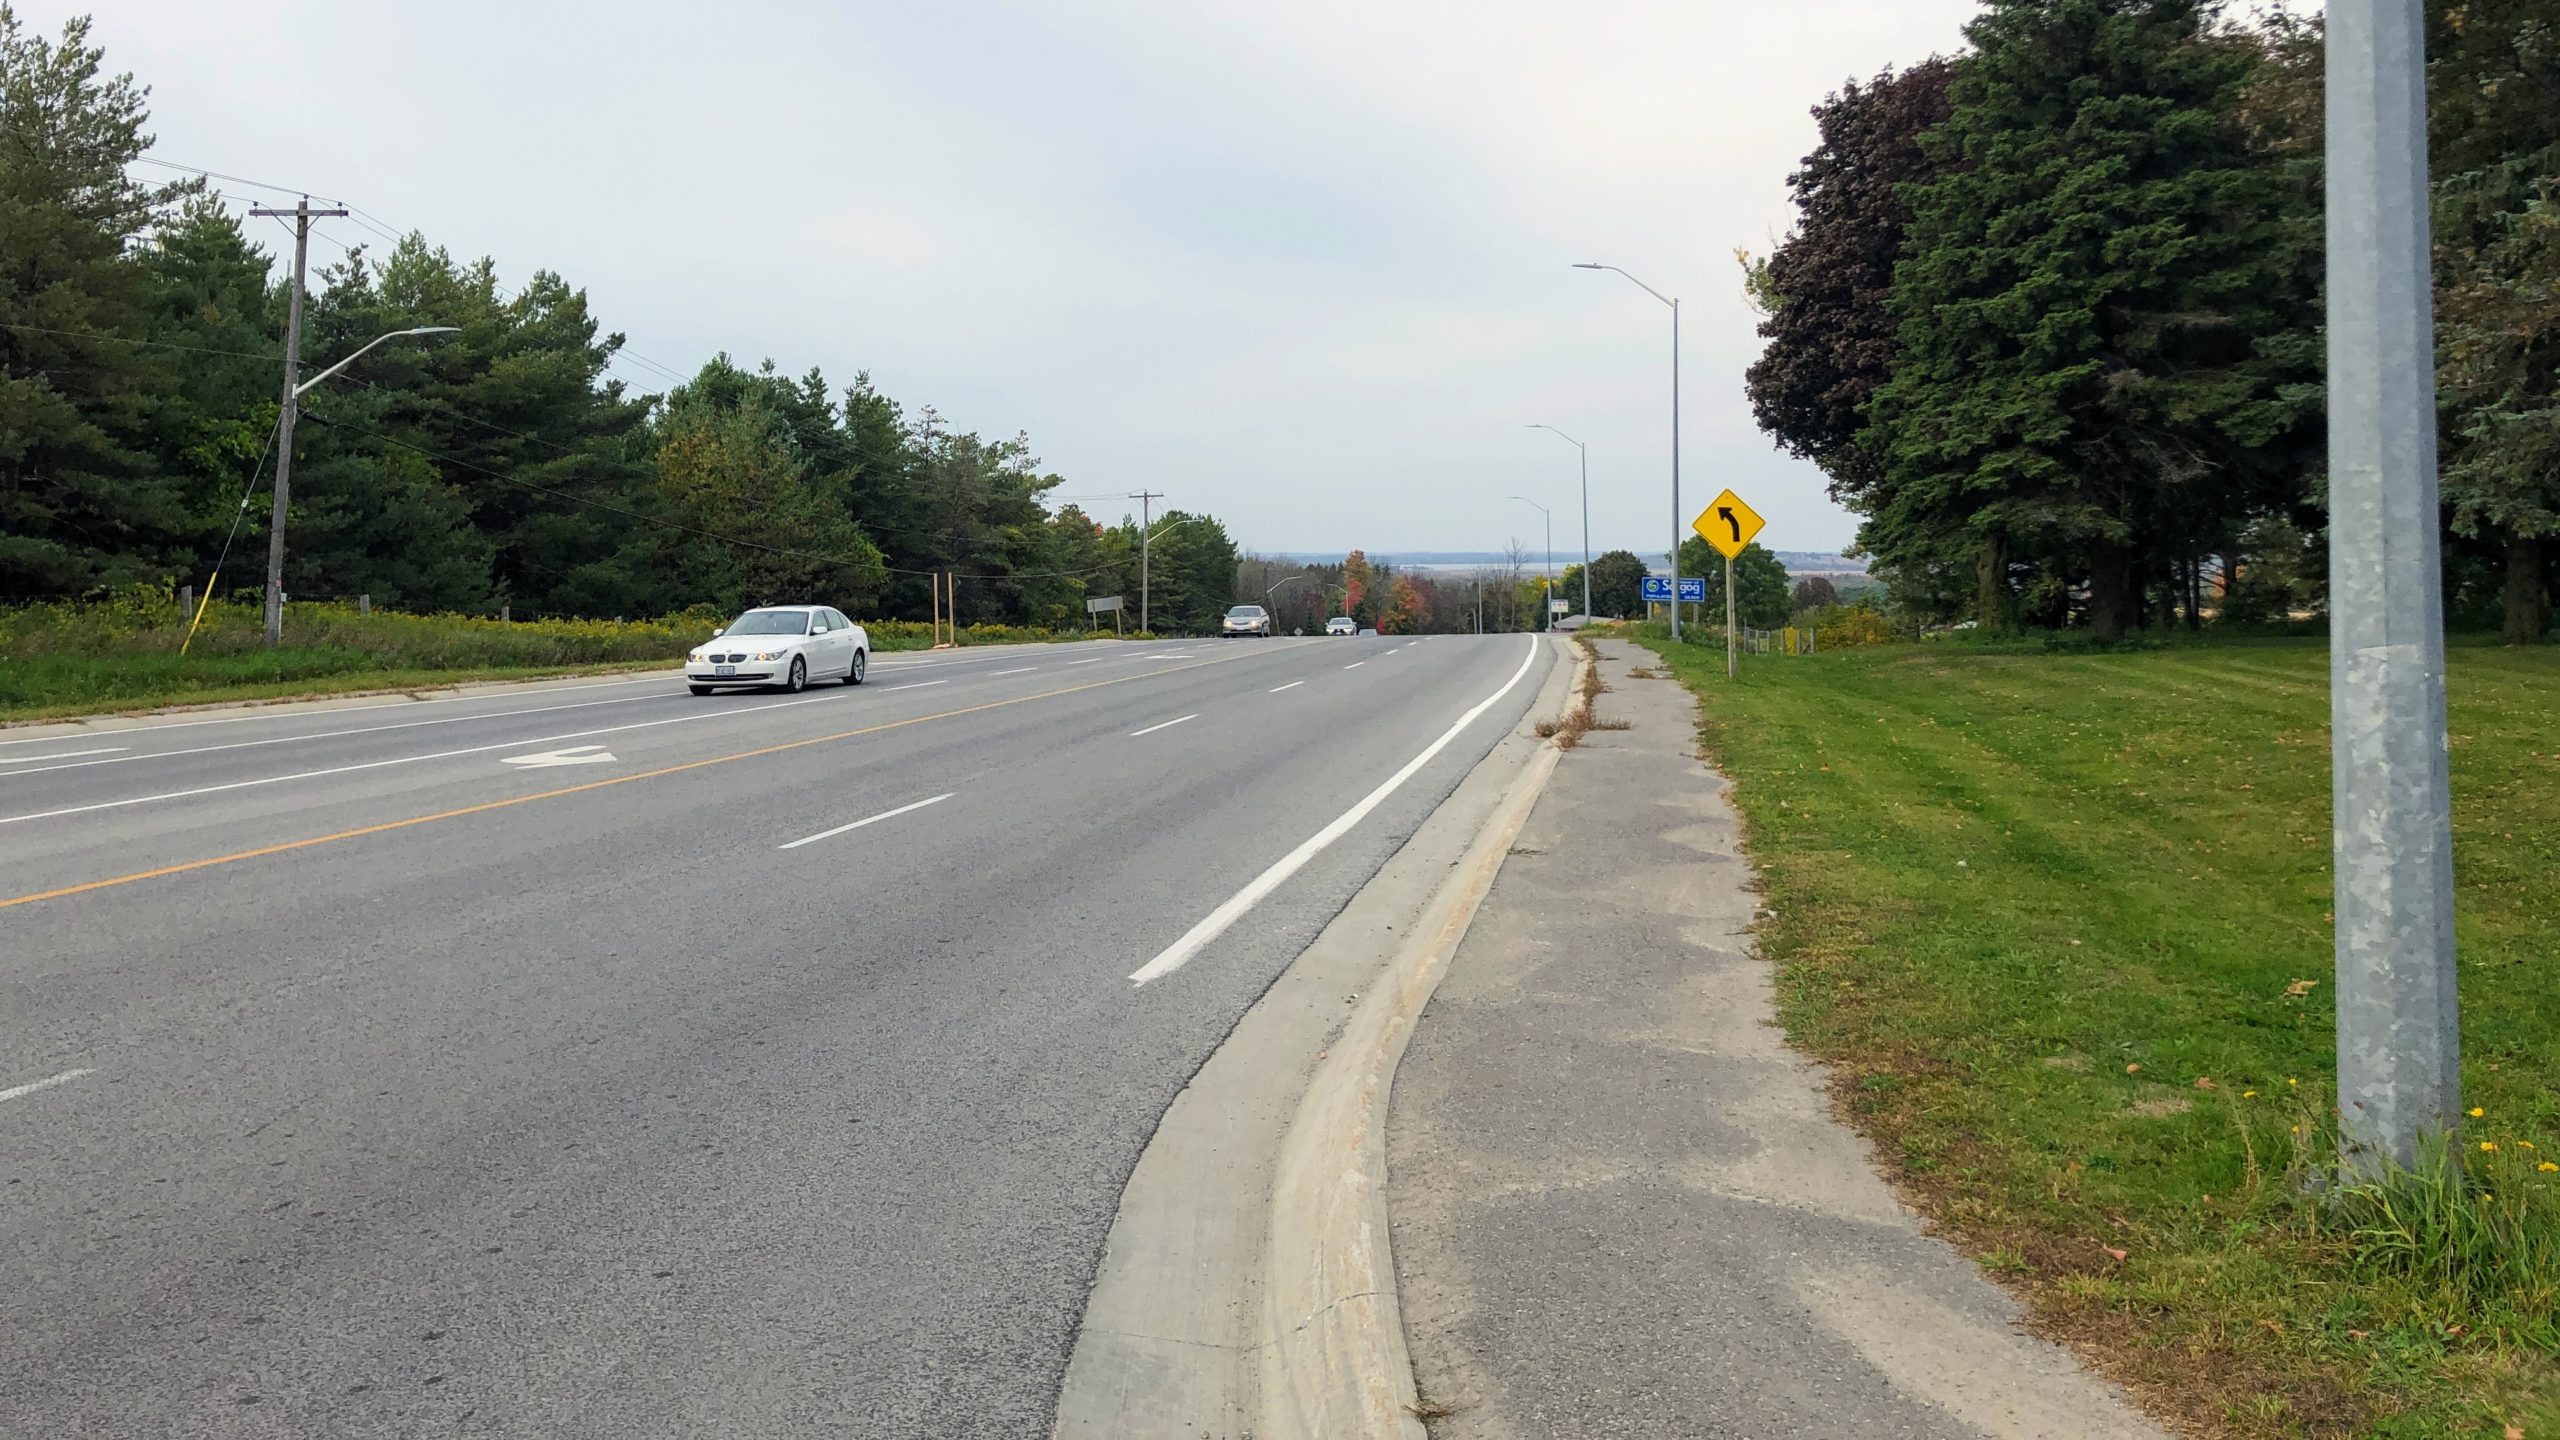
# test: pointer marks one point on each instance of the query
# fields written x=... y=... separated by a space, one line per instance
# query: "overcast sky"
x=1304 y=266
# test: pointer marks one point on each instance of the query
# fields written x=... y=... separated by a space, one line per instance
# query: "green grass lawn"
x=2062 y=923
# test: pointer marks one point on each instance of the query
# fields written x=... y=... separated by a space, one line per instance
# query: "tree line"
x=2050 y=317
x=141 y=344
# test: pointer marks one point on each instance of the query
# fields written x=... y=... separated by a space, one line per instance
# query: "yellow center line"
x=363 y=830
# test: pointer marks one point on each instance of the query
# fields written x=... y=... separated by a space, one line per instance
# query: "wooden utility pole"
x=302 y=214
x=1146 y=542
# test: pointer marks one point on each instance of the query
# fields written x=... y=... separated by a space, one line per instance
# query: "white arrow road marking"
x=1216 y=922
x=47 y=1083
x=868 y=820
x=574 y=755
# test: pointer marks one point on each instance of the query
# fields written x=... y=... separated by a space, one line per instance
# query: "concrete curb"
x=1334 y=1363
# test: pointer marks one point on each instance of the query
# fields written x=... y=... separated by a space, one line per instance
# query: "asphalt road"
x=359 y=1078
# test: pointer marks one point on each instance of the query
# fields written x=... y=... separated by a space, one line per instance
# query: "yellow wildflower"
x=2488 y=1144
x=2546 y=1167
x=2477 y=1112
x=2248 y=1094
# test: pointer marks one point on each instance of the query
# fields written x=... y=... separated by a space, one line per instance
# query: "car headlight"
x=771 y=654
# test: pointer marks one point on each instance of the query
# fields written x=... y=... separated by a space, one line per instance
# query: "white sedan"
x=784 y=645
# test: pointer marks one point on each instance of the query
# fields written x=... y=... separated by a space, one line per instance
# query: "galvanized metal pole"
x=1586 y=529
x=1676 y=522
x=1732 y=666
x=2398 y=1048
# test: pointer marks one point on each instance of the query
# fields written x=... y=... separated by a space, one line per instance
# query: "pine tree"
x=2494 y=131
x=80 y=504
x=2084 y=305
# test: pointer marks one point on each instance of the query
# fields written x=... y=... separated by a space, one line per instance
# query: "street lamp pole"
x=2399 y=1051
x=1544 y=603
x=1675 y=430
x=293 y=393
x=1275 y=589
x=1586 y=514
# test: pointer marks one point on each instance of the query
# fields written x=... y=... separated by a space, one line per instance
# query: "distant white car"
x=1246 y=620
x=1342 y=625
x=781 y=645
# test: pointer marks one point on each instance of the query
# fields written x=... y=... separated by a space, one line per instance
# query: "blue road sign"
x=1694 y=591
x=1657 y=588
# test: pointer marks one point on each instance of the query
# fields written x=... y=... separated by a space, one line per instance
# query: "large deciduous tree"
x=1830 y=336
x=1617 y=583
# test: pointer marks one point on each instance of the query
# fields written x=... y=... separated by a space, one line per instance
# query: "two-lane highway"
x=749 y=1065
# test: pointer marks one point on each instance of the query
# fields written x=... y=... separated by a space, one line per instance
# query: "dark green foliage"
x=81 y=504
x=1617 y=584
x=2494 y=81
x=504 y=465
x=1762 y=599
x=2085 y=296
x=1831 y=338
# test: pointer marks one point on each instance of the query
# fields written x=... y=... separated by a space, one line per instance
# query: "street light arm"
x=369 y=345
x=1649 y=290
x=1275 y=585
x=1569 y=440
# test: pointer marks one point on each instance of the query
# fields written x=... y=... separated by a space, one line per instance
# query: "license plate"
x=724 y=669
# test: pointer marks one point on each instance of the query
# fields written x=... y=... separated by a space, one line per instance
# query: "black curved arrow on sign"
x=1727 y=512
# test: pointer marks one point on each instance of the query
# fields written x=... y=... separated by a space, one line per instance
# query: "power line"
x=129 y=340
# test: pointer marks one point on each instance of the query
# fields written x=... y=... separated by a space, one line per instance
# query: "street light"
x=284 y=463
x=1543 y=603
x=1675 y=430
x=370 y=344
x=1586 y=513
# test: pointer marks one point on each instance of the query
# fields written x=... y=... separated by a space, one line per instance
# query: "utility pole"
x=302 y=214
x=2399 y=1072
x=1146 y=500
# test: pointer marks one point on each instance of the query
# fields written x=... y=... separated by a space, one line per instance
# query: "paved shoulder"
x=1620 y=1204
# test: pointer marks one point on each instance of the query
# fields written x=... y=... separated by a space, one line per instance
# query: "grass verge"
x=122 y=653
x=2060 y=922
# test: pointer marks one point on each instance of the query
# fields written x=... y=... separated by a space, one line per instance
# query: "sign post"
x=1728 y=524
x=1096 y=605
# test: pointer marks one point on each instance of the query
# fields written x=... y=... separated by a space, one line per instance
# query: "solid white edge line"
x=47 y=1083
x=1216 y=922
x=1292 y=685
x=405 y=760
x=1169 y=724
x=868 y=820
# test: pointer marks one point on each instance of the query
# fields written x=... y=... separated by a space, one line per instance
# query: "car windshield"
x=1245 y=612
x=771 y=622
